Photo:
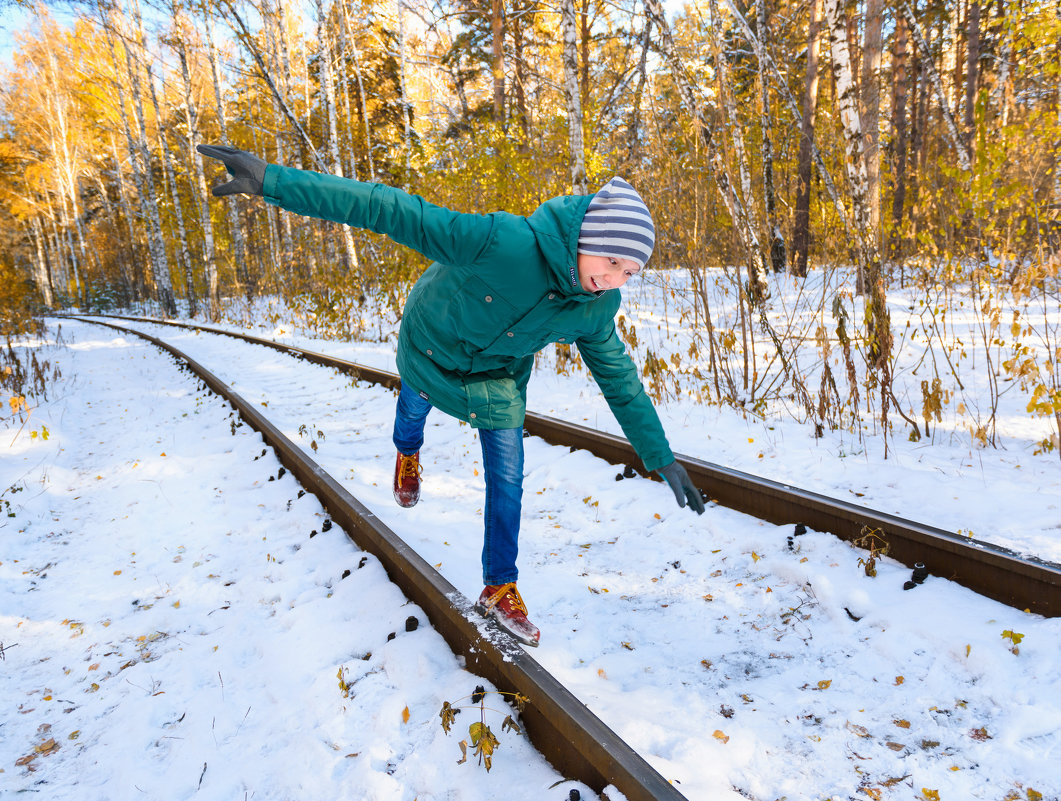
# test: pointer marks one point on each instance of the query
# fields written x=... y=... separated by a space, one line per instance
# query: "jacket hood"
x=556 y=224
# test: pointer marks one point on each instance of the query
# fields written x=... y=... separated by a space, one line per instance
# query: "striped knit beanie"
x=617 y=224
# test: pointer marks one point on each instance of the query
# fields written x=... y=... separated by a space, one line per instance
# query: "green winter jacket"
x=500 y=289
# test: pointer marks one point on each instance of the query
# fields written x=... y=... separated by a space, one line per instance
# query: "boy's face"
x=597 y=273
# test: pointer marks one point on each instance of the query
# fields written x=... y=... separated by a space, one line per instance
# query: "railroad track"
x=988 y=569
x=574 y=740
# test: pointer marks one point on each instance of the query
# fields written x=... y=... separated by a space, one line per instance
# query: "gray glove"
x=246 y=169
x=682 y=486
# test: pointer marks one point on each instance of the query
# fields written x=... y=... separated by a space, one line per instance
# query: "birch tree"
x=776 y=238
x=235 y=225
x=878 y=320
x=191 y=121
x=900 y=131
x=869 y=101
x=932 y=74
x=328 y=98
x=809 y=105
x=573 y=99
x=140 y=160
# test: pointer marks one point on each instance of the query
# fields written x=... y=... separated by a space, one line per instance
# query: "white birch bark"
x=757 y=266
x=239 y=242
x=406 y=103
x=869 y=98
x=191 y=118
x=328 y=97
x=67 y=158
x=573 y=100
x=776 y=238
x=170 y=178
x=781 y=85
x=878 y=321
x=40 y=264
x=144 y=167
x=742 y=224
x=929 y=66
x=356 y=57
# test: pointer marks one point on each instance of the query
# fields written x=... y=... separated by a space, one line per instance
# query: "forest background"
x=810 y=165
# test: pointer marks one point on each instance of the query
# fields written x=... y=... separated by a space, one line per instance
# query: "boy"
x=501 y=288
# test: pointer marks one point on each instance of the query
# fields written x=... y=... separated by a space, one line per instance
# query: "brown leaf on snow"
x=861 y=731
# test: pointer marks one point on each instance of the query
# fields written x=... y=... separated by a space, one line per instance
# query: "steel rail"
x=991 y=570
x=574 y=740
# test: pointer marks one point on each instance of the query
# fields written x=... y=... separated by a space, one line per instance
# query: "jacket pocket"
x=479 y=313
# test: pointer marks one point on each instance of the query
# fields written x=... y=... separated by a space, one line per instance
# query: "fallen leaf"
x=902 y=724
x=719 y=735
x=405 y=715
x=47 y=747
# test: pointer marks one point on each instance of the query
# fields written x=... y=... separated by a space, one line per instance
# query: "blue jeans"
x=502 y=470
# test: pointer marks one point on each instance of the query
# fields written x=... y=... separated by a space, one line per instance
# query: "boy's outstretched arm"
x=440 y=234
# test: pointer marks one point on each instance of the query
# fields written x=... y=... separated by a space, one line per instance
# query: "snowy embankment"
x=174 y=614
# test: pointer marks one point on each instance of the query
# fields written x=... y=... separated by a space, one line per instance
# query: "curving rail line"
x=574 y=740
x=988 y=569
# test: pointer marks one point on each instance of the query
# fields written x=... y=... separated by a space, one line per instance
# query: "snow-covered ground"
x=172 y=630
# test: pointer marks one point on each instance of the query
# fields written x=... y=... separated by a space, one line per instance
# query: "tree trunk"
x=869 y=96
x=633 y=134
x=809 y=105
x=170 y=179
x=878 y=320
x=847 y=103
x=66 y=157
x=497 y=29
x=239 y=242
x=407 y=105
x=356 y=57
x=1003 y=93
x=573 y=100
x=519 y=68
x=776 y=238
x=972 y=76
x=136 y=277
x=43 y=279
x=143 y=168
x=900 y=129
x=328 y=97
x=585 y=37
x=166 y=155
x=191 y=118
x=741 y=221
x=781 y=86
x=932 y=74
x=757 y=260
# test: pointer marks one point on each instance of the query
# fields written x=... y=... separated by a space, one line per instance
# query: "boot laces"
x=409 y=468
x=511 y=591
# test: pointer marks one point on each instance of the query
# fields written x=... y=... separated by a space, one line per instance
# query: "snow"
x=171 y=625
